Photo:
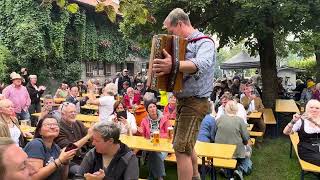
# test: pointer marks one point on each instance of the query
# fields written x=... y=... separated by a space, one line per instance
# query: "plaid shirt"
x=202 y=54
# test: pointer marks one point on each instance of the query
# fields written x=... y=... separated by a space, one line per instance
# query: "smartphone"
x=122 y=114
x=70 y=147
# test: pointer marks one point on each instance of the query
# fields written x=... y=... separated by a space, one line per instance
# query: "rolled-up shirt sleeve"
x=205 y=57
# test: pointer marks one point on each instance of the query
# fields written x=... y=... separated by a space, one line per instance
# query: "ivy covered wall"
x=51 y=42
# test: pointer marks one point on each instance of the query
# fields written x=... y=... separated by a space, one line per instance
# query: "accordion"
x=176 y=47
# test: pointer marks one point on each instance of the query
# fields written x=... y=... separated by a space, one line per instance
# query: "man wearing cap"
x=307 y=93
x=192 y=101
x=19 y=96
x=35 y=93
x=123 y=78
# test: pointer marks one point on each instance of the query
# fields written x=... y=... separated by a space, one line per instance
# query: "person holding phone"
x=49 y=161
x=73 y=132
x=123 y=118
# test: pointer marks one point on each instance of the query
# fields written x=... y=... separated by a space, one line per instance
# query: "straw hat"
x=15 y=75
x=310 y=84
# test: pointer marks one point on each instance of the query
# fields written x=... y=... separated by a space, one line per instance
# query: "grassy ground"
x=270 y=162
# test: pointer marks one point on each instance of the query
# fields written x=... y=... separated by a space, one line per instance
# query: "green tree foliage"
x=51 y=38
x=255 y=21
x=308 y=64
x=5 y=56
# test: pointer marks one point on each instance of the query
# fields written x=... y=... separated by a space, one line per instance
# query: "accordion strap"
x=199 y=38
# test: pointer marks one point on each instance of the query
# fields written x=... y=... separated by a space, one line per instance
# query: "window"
x=95 y=69
x=119 y=67
x=108 y=69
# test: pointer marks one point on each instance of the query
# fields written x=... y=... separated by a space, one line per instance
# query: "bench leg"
x=277 y=125
x=203 y=169
x=302 y=175
x=213 y=171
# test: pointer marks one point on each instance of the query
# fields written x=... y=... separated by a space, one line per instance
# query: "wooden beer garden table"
x=80 y=117
x=254 y=115
x=203 y=149
x=87 y=94
x=90 y=107
x=285 y=106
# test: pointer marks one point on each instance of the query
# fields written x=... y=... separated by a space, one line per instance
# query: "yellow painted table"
x=90 y=107
x=28 y=129
x=213 y=150
x=254 y=115
x=139 y=142
x=203 y=149
x=86 y=94
x=286 y=106
x=80 y=117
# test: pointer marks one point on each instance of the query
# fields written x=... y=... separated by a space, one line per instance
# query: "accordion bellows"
x=176 y=47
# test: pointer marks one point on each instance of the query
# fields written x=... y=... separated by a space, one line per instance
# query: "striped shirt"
x=202 y=54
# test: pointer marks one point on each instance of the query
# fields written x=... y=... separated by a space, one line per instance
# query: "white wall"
x=291 y=75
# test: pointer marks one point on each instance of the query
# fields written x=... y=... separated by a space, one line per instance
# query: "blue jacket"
x=207 y=130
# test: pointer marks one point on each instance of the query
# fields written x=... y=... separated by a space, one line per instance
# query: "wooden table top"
x=90 y=106
x=203 y=149
x=27 y=129
x=286 y=105
x=56 y=100
x=215 y=150
x=254 y=115
x=80 y=117
x=86 y=94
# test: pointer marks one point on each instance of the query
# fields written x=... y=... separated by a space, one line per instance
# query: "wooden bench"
x=269 y=119
x=268 y=116
x=217 y=162
x=256 y=133
x=305 y=166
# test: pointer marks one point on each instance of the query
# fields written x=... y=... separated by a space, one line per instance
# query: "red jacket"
x=136 y=100
x=164 y=124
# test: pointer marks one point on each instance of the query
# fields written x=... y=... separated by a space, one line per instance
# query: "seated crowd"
x=63 y=147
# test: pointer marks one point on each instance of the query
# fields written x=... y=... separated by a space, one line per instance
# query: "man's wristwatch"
x=292 y=122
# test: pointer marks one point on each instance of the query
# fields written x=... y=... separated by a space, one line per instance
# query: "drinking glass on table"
x=156 y=138
x=170 y=134
x=25 y=125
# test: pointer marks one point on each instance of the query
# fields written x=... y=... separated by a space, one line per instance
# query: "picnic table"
x=87 y=94
x=203 y=149
x=254 y=115
x=285 y=106
x=80 y=117
x=90 y=107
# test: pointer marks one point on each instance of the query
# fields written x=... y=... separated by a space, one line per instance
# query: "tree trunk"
x=317 y=53
x=268 y=70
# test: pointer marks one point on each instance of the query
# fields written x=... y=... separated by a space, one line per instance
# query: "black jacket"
x=34 y=94
x=123 y=166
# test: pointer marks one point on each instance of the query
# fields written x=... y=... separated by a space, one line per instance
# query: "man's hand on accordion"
x=161 y=67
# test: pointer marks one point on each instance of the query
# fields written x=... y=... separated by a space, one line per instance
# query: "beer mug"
x=25 y=125
x=156 y=138
x=170 y=134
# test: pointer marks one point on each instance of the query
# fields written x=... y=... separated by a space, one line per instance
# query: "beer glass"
x=170 y=134
x=156 y=138
x=25 y=125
